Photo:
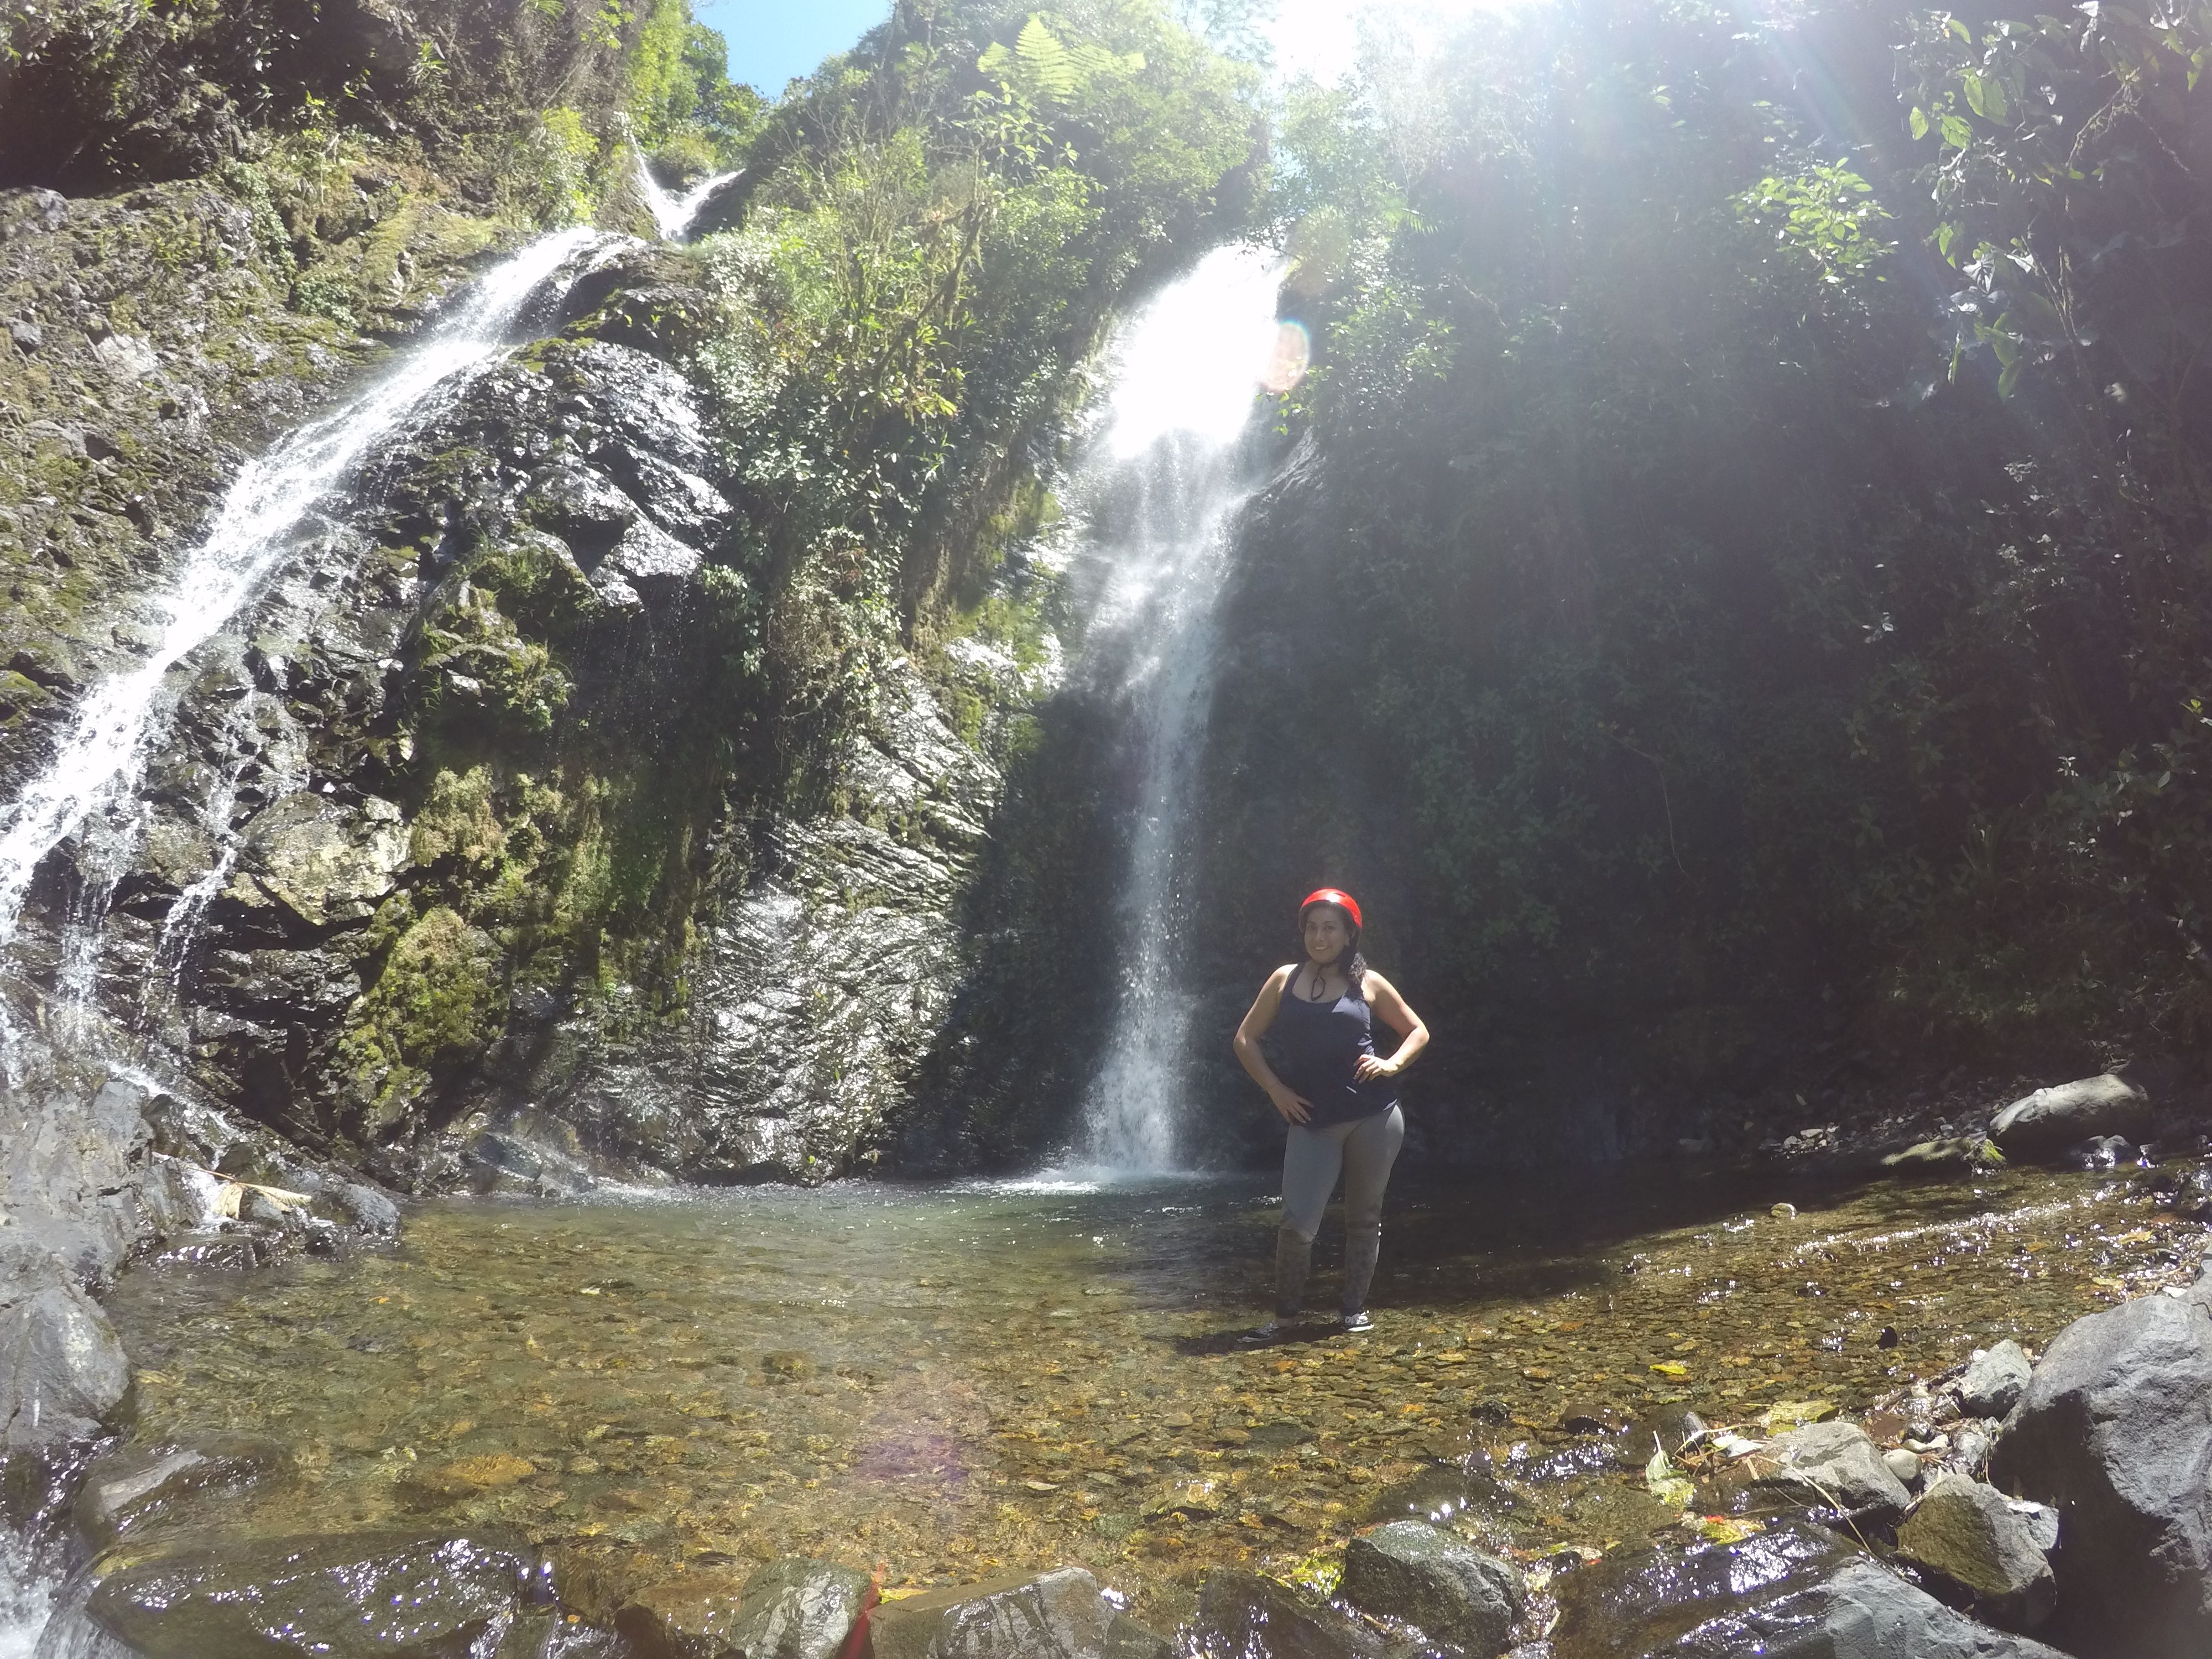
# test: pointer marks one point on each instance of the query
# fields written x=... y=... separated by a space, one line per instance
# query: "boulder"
x=357 y=1597
x=135 y=1487
x=799 y=1609
x=1792 y=1593
x=1968 y=1533
x=1432 y=1579
x=2115 y=1432
x=1830 y=1464
x=1060 y=1615
x=63 y=1374
x=2044 y=1124
x=1994 y=1380
x=1243 y=1616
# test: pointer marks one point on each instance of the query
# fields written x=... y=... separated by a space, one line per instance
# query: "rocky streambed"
x=1612 y=1419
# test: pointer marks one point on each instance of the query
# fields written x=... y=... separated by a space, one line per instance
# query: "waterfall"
x=91 y=784
x=1171 y=457
x=673 y=214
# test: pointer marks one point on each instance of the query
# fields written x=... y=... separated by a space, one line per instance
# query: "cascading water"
x=91 y=787
x=673 y=214
x=96 y=768
x=1172 y=449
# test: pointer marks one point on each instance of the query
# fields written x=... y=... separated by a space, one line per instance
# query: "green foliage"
x=1707 y=633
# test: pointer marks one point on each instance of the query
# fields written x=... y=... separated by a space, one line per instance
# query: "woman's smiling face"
x=1326 y=933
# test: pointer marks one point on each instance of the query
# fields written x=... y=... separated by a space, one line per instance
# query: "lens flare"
x=1287 y=362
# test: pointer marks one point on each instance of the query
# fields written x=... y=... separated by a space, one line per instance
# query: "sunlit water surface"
x=947 y=1381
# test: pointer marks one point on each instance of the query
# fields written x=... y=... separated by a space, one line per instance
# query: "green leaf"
x=1919 y=123
x=1956 y=132
x=1961 y=31
x=2010 y=378
x=1045 y=59
x=2040 y=317
x=1946 y=234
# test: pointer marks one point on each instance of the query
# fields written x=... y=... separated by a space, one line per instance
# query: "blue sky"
x=772 y=40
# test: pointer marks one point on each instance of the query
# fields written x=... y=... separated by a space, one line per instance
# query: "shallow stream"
x=945 y=1382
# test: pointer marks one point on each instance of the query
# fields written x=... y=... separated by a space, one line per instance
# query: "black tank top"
x=1320 y=1043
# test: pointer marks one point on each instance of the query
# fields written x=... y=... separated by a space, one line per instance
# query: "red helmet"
x=1343 y=900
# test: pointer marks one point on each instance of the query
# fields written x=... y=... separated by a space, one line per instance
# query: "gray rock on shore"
x=1994 y=1380
x=1969 y=1533
x=1832 y=1464
x=2115 y=1432
x=2046 y=1124
x=63 y=1374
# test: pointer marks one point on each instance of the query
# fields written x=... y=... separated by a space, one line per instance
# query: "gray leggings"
x=1364 y=1150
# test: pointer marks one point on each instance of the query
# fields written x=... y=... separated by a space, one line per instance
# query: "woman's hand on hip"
x=1295 y=1108
x=1367 y=1068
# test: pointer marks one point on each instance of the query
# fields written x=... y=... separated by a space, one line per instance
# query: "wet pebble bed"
x=943 y=1384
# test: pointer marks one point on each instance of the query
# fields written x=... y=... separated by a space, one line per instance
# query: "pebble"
x=1783 y=1213
x=1903 y=1464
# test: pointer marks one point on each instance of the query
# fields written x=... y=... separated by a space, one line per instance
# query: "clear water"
x=948 y=1382
x=1169 y=456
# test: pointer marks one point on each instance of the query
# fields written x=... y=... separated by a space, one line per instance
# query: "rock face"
x=1832 y=1464
x=350 y=1598
x=63 y=1375
x=1994 y=1380
x=1432 y=1579
x=1061 y=1615
x=1969 y=1533
x=1790 y=1594
x=2115 y=1432
x=2044 y=1125
x=1243 y=1616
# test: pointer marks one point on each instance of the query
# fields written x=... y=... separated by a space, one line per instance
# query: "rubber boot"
x=1293 y=1258
x=1363 y=1243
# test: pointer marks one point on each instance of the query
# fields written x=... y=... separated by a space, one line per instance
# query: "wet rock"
x=1059 y=1615
x=1994 y=1380
x=371 y=1211
x=139 y=1486
x=1637 y=1600
x=1967 y=1533
x=1436 y=1493
x=1243 y=1616
x=2043 y=1125
x=1125 y=1638
x=2040 y=1519
x=1432 y=1579
x=2113 y=1432
x=1831 y=1464
x=1795 y=1591
x=690 y=1617
x=63 y=1374
x=799 y=1609
x=325 y=862
x=2100 y=1152
x=71 y=1156
x=394 y=1597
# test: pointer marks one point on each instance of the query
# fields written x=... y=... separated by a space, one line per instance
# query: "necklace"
x=1319 y=981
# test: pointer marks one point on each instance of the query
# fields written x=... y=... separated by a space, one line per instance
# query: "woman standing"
x=1338 y=1096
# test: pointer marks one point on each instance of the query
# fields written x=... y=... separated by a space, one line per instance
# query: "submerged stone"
x=1432 y=1579
x=423 y=1597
